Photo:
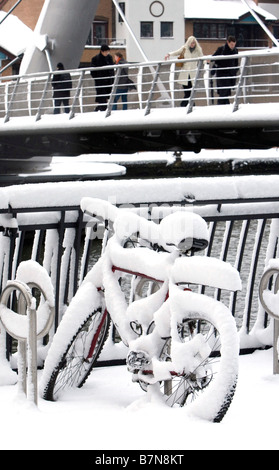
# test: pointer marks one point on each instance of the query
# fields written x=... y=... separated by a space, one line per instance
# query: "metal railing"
x=243 y=231
x=96 y=42
x=158 y=85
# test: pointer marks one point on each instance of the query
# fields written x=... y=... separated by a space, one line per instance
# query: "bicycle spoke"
x=186 y=388
x=79 y=359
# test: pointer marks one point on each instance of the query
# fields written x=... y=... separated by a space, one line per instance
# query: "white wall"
x=271 y=8
x=154 y=48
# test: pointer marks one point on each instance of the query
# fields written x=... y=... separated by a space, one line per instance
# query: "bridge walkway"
x=154 y=120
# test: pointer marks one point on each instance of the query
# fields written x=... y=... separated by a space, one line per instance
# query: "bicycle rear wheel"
x=80 y=356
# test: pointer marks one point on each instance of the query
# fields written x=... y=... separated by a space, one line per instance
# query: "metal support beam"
x=10 y=11
x=261 y=23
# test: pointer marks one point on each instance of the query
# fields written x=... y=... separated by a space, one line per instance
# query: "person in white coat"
x=190 y=50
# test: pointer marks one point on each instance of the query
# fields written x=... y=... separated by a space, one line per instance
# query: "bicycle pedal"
x=137 y=360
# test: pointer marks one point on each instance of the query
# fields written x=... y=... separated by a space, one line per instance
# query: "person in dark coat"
x=62 y=85
x=124 y=84
x=103 y=78
x=226 y=70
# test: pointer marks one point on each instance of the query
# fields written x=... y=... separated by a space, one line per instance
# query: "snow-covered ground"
x=112 y=413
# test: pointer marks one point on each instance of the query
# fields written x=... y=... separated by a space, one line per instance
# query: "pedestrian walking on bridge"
x=62 y=85
x=103 y=78
x=226 y=70
x=190 y=50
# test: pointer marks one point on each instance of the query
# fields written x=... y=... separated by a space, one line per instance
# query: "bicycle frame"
x=173 y=334
x=175 y=271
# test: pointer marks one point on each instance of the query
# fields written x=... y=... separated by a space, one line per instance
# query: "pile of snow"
x=14 y=34
x=140 y=191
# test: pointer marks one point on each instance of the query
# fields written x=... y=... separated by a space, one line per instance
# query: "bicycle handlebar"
x=99 y=208
x=126 y=223
x=180 y=231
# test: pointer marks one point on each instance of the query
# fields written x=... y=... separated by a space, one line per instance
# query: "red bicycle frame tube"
x=96 y=336
x=115 y=268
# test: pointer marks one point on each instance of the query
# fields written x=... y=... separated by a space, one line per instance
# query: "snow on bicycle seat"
x=186 y=231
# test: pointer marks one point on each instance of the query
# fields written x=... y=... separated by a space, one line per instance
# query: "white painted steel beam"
x=61 y=31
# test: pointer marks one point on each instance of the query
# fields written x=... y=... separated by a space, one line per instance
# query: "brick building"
x=159 y=27
x=28 y=11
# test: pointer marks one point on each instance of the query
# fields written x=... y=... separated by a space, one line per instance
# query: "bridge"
x=154 y=120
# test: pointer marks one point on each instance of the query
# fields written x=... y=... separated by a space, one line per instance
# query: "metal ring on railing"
x=263 y=287
x=26 y=333
x=266 y=278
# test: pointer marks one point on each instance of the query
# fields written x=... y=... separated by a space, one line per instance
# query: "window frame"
x=150 y=23
x=219 y=27
x=122 y=6
x=172 y=29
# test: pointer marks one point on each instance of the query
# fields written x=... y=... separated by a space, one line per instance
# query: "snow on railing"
x=155 y=85
x=244 y=231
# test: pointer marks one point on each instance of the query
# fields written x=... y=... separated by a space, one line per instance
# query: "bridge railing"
x=156 y=85
x=244 y=231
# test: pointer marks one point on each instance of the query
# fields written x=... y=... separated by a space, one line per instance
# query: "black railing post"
x=61 y=231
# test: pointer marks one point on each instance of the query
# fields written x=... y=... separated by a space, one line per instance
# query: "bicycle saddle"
x=184 y=230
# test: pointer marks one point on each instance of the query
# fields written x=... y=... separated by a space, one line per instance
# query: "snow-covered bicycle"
x=182 y=345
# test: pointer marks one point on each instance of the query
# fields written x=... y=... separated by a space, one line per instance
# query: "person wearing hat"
x=62 y=85
x=103 y=78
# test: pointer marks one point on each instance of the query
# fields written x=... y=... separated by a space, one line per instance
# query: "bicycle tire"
x=207 y=396
x=80 y=356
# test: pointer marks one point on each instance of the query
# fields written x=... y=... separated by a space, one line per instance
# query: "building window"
x=166 y=29
x=122 y=8
x=247 y=35
x=98 y=34
x=210 y=30
x=147 y=29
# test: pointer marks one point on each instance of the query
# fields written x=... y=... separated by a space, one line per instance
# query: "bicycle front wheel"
x=80 y=356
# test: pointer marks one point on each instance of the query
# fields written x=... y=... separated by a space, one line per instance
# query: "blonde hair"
x=189 y=42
